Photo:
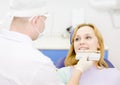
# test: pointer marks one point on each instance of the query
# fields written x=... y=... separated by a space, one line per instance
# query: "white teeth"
x=83 y=49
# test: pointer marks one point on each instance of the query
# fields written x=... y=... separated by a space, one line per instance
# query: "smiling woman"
x=86 y=37
x=89 y=37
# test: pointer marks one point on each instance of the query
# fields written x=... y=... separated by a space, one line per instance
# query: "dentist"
x=19 y=60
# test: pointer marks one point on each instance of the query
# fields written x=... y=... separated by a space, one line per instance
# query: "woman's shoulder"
x=111 y=71
x=113 y=75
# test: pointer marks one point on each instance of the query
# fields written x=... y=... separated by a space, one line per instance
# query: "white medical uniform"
x=6 y=81
x=24 y=64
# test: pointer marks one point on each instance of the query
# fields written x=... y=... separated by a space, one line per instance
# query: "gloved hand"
x=83 y=64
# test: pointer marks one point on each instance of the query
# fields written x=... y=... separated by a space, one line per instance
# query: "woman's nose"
x=82 y=41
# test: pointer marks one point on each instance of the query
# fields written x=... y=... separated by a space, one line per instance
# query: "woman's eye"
x=88 y=37
x=76 y=39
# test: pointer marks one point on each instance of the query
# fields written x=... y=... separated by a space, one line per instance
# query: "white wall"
x=61 y=17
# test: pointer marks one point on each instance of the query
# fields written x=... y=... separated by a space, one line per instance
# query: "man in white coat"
x=19 y=60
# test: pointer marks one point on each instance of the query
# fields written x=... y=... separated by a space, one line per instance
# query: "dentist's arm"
x=82 y=65
x=75 y=77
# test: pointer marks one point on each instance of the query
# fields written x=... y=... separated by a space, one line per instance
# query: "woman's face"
x=85 y=39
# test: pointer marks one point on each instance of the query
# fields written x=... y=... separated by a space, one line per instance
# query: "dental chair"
x=60 y=62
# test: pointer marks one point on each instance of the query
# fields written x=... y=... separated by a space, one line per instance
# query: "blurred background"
x=63 y=14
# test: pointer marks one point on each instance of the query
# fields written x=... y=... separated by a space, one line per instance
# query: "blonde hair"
x=70 y=59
